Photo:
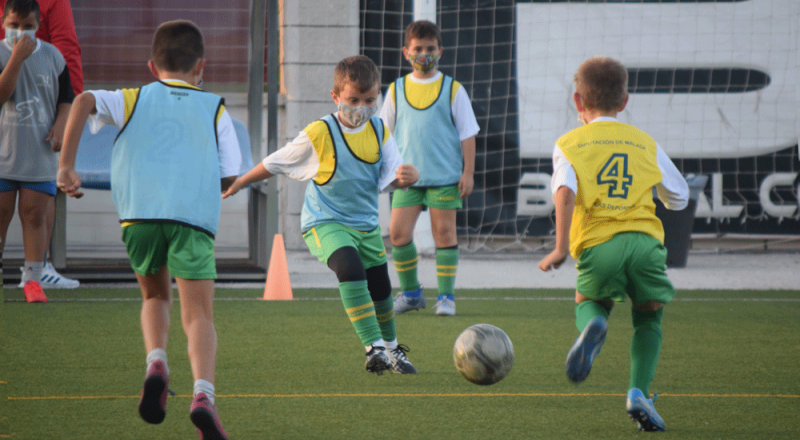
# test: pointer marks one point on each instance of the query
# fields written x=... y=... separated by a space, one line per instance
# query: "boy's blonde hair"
x=177 y=45
x=602 y=83
x=421 y=29
x=359 y=71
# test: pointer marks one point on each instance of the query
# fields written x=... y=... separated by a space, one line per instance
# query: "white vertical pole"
x=423 y=235
x=425 y=10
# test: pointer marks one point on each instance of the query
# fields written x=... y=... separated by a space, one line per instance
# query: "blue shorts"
x=48 y=187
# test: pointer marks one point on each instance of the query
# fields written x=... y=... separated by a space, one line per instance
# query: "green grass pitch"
x=73 y=369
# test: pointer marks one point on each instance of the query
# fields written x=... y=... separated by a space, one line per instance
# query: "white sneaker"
x=51 y=279
x=446 y=305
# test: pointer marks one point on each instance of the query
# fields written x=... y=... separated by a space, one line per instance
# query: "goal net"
x=714 y=82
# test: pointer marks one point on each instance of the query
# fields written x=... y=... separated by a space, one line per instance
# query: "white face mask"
x=14 y=35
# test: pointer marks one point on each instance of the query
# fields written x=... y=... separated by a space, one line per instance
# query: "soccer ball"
x=483 y=354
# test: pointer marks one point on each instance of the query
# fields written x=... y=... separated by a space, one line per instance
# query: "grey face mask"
x=358 y=115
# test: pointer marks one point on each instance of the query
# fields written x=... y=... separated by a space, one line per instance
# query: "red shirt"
x=57 y=27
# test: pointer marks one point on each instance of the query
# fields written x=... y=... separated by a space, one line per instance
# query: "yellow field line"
x=323 y=395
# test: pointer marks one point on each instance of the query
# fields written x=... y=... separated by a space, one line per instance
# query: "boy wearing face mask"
x=431 y=117
x=175 y=152
x=350 y=157
x=35 y=98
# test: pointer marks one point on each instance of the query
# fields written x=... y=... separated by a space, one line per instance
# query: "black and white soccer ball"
x=483 y=354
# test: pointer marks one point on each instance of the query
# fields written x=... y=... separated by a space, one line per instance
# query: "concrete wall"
x=315 y=36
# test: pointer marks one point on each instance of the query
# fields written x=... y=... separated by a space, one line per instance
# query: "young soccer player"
x=603 y=178
x=350 y=158
x=432 y=119
x=35 y=98
x=176 y=151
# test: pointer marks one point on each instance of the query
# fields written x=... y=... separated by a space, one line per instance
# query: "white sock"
x=206 y=387
x=158 y=354
x=391 y=345
x=378 y=343
x=33 y=270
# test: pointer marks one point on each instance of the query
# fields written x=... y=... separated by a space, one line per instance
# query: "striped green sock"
x=360 y=309
x=405 y=261
x=446 y=266
x=645 y=348
x=384 y=311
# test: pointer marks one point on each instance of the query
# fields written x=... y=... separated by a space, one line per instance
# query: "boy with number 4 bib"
x=351 y=157
x=603 y=178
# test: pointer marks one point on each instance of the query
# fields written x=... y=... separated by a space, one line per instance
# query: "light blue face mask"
x=13 y=35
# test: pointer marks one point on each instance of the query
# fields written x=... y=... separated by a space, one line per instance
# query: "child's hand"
x=23 y=47
x=56 y=134
x=235 y=187
x=406 y=175
x=69 y=182
x=553 y=260
x=465 y=185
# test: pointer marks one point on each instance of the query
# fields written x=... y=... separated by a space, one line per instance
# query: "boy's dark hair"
x=423 y=29
x=602 y=83
x=359 y=70
x=23 y=8
x=177 y=45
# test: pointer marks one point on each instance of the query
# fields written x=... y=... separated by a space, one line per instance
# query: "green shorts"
x=631 y=264
x=440 y=197
x=187 y=252
x=325 y=239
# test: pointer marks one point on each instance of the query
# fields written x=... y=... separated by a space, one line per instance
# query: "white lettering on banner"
x=554 y=38
x=538 y=200
x=716 y=209
x=770 y=182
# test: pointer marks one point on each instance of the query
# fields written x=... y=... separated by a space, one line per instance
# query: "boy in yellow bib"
x=431 y=117
x=350 y=157
x=603 y=178
x=175 y=153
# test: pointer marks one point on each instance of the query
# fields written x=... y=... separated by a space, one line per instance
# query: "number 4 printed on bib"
x=615 y=174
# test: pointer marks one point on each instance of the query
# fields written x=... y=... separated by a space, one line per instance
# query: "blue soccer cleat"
x=412 y=300
x=642 y=411
x=586 y=347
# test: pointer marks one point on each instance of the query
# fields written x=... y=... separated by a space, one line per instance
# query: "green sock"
x=586 y=311
x=446 y=266
x=645 y=347
x=405 y=261
x=384 y=311
x=360 y=309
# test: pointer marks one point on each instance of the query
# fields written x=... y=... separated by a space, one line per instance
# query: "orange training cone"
x=279 y=286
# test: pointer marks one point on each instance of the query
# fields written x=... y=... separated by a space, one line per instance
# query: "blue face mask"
x=14 y=35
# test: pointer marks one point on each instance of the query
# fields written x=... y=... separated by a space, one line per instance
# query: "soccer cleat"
x=400 y=362
x=586 y=347
x=378 y=360
x=642 y=411
x=34 y=293
x=403 y=302
x=205 y=418
x=153 y=403
x=51 y=279
x=445 y=305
